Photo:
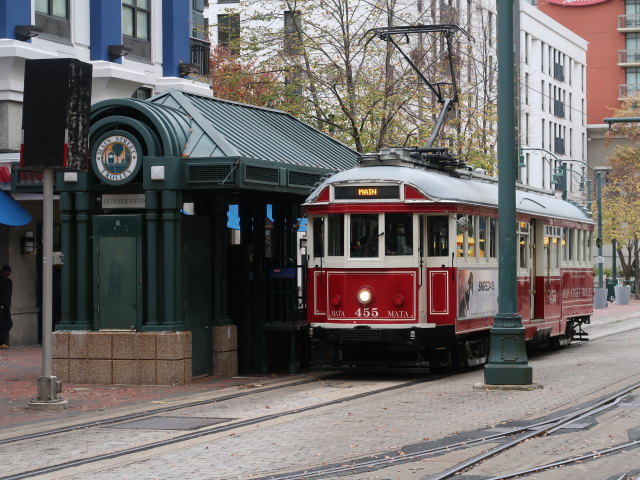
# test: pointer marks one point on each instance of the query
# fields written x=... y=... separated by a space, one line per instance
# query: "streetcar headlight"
x=364 y=296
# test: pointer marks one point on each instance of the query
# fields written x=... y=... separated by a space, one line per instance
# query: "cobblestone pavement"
x=388 y=422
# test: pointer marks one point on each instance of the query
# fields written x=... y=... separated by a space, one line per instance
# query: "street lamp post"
x=507 y=363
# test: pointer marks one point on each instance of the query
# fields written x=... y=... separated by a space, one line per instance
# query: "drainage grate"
x=171 y=423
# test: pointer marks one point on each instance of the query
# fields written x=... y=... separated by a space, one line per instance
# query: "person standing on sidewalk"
x=6 y=289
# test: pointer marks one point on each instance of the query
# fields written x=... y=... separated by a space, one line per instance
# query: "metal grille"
x=200 y=53
x=171 y=423
x=261 y=174
x=140 y=49
x=360 y=335
x=54 y=28
x=207 y=173
x=306 y=179
x=26 y=177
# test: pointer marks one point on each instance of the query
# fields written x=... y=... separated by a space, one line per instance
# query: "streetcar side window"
x=588 y=251
x=398 y=234
x=523 y=245
x=335 y=235
x=464 y=236
x=364 y=235
x=438 y=230
x=572 y=244
x=318 y=237
x=472 y=238
x=482 y=237
x=493 y=237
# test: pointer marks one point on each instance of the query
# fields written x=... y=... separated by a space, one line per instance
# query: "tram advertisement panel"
x=477 y=293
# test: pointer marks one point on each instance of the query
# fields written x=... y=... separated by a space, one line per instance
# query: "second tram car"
x=403 y=265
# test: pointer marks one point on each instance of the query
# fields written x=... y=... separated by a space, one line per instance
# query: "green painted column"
x=68 y=300
x=220 y=252
x=152 y=204
x=169 y=208
x=508 y=363
x=599 y=204
x=84 y=281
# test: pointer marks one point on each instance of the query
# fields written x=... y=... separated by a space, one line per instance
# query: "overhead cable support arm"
x=388 y=33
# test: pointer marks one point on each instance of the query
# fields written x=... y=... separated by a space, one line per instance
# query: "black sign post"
x=55 y=128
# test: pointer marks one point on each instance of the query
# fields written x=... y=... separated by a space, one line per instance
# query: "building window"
x=136 y=28
x=52 y=16
x=229 y=32
x=55 y=8
x=135 y=19
x=142 y=93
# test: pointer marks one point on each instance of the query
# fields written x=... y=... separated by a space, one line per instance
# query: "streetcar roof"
x=440 y=187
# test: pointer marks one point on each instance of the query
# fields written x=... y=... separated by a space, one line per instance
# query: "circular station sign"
x=115 y=158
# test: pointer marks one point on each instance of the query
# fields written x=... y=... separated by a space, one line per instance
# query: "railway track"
x=228 y=427
x=505 y=440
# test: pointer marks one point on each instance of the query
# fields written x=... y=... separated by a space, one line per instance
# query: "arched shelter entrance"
x=155 y=286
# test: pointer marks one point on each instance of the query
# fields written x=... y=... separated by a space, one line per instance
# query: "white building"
x=552 y=100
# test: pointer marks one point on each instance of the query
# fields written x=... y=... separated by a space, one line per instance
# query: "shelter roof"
x=225 y=128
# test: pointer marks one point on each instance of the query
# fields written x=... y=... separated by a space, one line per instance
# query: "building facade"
x=137 y=48
x=552 y=73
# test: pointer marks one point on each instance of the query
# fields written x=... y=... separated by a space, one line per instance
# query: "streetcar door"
x=532 y=270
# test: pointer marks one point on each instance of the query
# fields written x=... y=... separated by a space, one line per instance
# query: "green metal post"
x=153 y=294
x=169 y=249
x=67 y=298
x=614 y=265
x=508 y=363
x=599 y=200
x=84 y=312
x=565 y=185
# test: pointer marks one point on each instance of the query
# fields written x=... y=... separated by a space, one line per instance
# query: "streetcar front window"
x=438 y=230
x=335 y=235
x=398 y=234
x=364 y=235
x=318 y=237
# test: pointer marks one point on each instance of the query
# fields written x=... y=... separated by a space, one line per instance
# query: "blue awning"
x=11 y=213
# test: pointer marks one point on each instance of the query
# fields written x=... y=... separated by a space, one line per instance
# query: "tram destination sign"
x=367 y=192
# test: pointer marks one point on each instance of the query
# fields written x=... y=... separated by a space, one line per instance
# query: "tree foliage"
x=328 y=70
x=621 y=194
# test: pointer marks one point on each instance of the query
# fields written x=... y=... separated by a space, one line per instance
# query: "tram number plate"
x=367 y=312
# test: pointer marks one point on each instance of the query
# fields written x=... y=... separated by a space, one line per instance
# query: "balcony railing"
x=628 y=22
x=629 y=90
x=629 y=57
x=200 y=54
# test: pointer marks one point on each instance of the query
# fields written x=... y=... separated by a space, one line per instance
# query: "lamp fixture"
x=25 y=32
x=119 y=50
x=189 y=69
x=28 y=243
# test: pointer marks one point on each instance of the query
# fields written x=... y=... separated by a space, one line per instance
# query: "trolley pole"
x=508 y=363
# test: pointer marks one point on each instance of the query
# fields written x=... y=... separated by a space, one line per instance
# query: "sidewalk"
x=20 y=367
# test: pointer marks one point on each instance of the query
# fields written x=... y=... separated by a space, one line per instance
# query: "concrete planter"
x=622 y=294
x=599 y=298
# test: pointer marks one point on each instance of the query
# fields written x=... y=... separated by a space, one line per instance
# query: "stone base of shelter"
x=122 y=357
x=225 y=350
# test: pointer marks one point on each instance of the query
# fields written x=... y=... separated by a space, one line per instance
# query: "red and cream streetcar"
x=403 y=264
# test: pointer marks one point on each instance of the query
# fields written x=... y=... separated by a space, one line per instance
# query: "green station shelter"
x=156 y=288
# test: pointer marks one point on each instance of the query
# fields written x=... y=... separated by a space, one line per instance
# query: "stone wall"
x=225 y=350
x=122 y=358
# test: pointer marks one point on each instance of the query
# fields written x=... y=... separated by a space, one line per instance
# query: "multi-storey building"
x=137 y=48
x=552 y=100
x=552 y=69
